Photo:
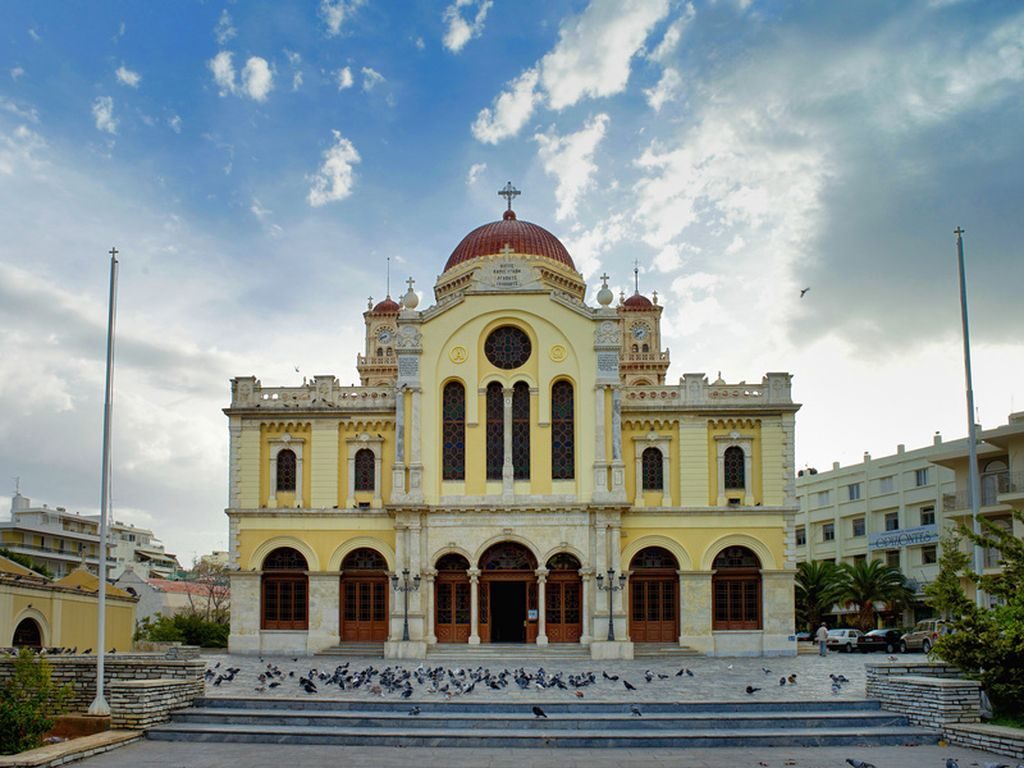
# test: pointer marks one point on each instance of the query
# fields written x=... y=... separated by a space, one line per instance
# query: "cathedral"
x=513 y=468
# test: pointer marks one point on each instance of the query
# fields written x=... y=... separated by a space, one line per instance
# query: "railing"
x=694 y=390
x=377 y=360
x=645 y=357
x=992 y=487
x=28 y=549
x=321 y=392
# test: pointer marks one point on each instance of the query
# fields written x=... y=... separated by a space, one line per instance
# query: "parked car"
x=887 y=640
x=804 y=637
x=842 y=639
x=923 y=636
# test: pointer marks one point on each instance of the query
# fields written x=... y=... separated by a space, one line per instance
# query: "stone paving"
x=713 y=679
x=157 y=754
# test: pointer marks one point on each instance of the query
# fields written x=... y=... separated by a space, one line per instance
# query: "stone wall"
x=931 y=701
x=878 y=674
x=991 y=738
x=80 y=672
x=139 y=704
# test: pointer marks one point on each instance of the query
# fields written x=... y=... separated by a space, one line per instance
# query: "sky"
x=256 y=164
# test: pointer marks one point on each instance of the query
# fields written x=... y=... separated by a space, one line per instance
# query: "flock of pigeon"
x=950 y=763
x=52 y=651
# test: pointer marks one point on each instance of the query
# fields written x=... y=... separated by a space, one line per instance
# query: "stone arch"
x=474 y=561
x=358 y=542
x=507 y=379
x=673 y=546
x=260 y=553
x=566 y=548
x=39 y=618
x=452 y=549
x=755 y=545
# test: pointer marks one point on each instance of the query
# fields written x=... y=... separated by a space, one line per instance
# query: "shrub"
x=187 y=628
x=28 y=703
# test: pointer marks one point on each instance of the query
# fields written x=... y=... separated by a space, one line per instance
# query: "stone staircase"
x=568 y=724
x=663 y=651
x=505 y=654
x=363 y=650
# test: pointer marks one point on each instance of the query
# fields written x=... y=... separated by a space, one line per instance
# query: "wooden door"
x=563 y=609
x=452 y=617
x=364 y=609
x=653 y=610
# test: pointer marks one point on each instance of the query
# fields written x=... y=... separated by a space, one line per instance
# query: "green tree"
x=946 y=593
x=26 y=561
x=868 y=582
x=29 y=700
x=819 y=586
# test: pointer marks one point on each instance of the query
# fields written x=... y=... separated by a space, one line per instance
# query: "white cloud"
x=594 y=51
x=34 y=35
x=22 y=112
x=344 y=78
x=667 y=88
x=587 y=246
x=668 y=259
x=674 y=33
x=474 y=173
x=295 y=59
x=570 y=159
x=223 y=72
x=17 y=73
x=335 y=12
x=336 y=177
x=463 y=29
x=257 y=78
x=224 y=30
x=174 y=123
x=420 y=44
x=103 y=113
x=510 y=110
x=371 y=78
x=258 y=210
x=127 y=77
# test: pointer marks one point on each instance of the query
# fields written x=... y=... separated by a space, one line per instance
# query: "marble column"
x=507 y=469
x=474 y=606
x=542 y=627
x=695 y=620
x=398 y=468
x=415 y=461
x=600 y=454
x=586 y=609
x=429 y=579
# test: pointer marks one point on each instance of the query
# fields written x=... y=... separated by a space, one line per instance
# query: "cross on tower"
x=959 y=231
x=410 y=282
x=636 y=274
x=508 y=192
x=113 y=253
x=604 y=279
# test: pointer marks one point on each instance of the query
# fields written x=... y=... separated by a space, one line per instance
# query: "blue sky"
x=256 y=162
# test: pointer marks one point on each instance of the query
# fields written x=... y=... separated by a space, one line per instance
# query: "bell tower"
x=378 y=365
x=641 y=361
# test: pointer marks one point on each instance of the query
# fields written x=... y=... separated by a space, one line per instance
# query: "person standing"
x=822 y=637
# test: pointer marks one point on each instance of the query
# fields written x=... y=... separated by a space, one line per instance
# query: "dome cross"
x=509 y=192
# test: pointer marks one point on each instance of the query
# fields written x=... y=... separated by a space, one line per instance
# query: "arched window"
x=454 y=431
x=285 y=590
x=736 y=586
x=286 y=470
x=452 y=562
x=364 y=596
x=365 y=470
x=521 y=430
x=380 y=351
x=634 y=349
x=653 y=596
x=653 y=476
x=495 y=430
x=734 y=471
x=563 y=447
x=27 y=635
x=645 y=348
x=364 y=559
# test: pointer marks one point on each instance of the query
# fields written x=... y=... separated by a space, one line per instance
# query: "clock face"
x=384 y=336
x=639 y=332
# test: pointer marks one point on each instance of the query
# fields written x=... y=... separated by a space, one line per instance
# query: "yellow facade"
x=696 y=469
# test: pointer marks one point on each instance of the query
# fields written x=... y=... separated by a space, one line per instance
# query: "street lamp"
x=405 y=588
x=611 y=589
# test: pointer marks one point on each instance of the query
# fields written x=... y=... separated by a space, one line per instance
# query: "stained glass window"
x=454 y=431
x=364 y=559
x=736 y=557
x=452 y=562
x=495 y=430
x=521 y=430
x=285 y=559
x=507 y=348
x=563 y=453
x=653 y=476
x=563 y=561
x=734 y=474
x=286 y=470
x=365 y=470
x=653 y=557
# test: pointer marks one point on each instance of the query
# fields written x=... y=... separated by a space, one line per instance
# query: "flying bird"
x=803 y=291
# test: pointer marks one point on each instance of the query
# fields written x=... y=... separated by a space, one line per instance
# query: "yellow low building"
x=514 y=452
x=37 y=612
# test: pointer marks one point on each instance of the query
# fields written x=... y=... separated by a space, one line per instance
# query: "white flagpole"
x=99 y=705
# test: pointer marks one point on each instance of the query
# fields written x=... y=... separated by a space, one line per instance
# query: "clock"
x=639 y=332
x=384 y=336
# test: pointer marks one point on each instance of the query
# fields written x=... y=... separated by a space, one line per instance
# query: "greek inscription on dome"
x=506 y=275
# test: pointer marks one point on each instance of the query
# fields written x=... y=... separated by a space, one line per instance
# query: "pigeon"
x=629 y=685
x=579 y=694
x=689 y=673
x=803 y=292
x=766 y=670
x=609 y=677
x=995 y=765
x=414 y=711
x=648 y=675
x=635 y=710
x=858 y=763
x=792 y=679
x=681 y=672
x=752 y=689
x=952 y=763
x=538 y=712
x=782 y=681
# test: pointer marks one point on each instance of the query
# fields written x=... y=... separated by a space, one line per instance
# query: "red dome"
x=637 y=302
x=386 y=307
x=521 y=236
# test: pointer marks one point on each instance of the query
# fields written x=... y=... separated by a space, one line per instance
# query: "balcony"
x=996 y=489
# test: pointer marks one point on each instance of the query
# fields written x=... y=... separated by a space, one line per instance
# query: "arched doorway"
x=451 y=599
x=508 y=594
x=736 y=586
x=364 y=597
x=563 y=598
x=653 y=596
x=28 y=635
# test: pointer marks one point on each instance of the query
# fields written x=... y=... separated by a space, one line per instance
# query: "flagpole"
x=99 y=705
x=974 y=489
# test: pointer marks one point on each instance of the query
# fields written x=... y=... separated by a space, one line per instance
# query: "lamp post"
x=405 y=588
x=611 y=589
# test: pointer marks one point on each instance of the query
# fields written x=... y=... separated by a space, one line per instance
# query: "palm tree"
x=871 y=581
x=819 y=586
